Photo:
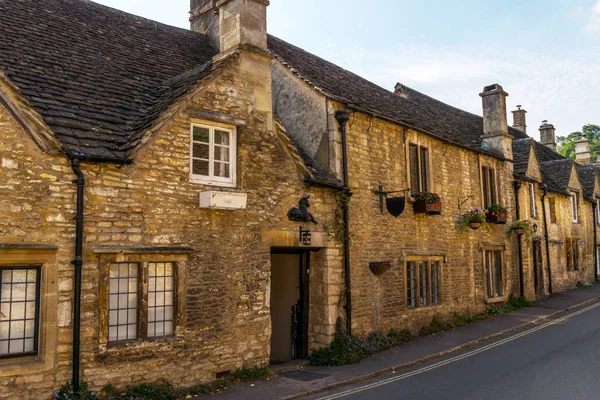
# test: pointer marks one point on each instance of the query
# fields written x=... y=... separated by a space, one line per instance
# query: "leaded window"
x=493 y=273
x=19 y=311
x=422 y=280
x=488 y=178
x=419 y=170
x=161 y=295
x=123 y=308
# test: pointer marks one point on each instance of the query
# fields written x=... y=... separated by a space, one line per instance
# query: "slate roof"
x=521 y=152
x=588 y=174
x=557 y=174
x=98 y=76
x=413 y=108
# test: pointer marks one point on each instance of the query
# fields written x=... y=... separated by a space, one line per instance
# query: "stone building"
x=146 y=177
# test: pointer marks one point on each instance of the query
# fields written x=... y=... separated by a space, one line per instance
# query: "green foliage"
x=164 y=390
x=67 y=392
x=476 y=215
x=518 y=302
x=566 y=144
x=347 y=349
x=519 y=224
x=437 y=325
x=460 y=320
x=513 y=303
x=496 y=209
x=429 y=197
x=580 y=284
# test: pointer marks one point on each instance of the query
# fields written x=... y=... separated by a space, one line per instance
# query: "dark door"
x=289 y=305
x=538 y=274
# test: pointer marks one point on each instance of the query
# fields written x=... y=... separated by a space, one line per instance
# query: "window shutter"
x=414 y=168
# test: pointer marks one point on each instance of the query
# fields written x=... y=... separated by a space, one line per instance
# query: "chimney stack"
x=495 y=126
x=520 y=119
x=231 y=24
x=582 y=151
x=548 y=135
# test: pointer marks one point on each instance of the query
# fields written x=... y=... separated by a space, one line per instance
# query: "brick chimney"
x=231 y=24
x=495 y=126
x=520 y=119
x=548 y=135
x=582 y=151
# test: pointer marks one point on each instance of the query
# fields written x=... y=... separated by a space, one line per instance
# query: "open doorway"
x=289 y=305
x=538 y=273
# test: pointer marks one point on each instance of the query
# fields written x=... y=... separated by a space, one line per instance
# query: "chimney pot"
x=582 y=150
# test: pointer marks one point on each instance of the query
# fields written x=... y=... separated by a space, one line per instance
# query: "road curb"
x=436 y=355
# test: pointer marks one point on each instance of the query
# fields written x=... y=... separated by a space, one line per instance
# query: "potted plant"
x=521 y=228
x=427 y=203
x=496 y=214
x=472 y=220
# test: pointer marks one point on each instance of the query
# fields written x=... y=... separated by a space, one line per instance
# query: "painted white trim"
x=211 y=179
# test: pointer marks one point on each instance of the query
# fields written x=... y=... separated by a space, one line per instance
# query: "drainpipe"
x=77 y=262
x=342 y=116
x=517 y=186
x=595 y=223
x=546 y=237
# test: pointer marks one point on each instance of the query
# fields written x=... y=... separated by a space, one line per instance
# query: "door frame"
x=301 y=350
x=538 y=268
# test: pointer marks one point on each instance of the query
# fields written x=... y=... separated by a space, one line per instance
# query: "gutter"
x=547 y=239
x=78 y=263
x=517 y=186
x=342 y=116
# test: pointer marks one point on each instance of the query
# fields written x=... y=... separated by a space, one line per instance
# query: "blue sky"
x=545 y=53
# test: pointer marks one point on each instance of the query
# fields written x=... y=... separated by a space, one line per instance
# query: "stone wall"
x=377 y=153
x=223 y=320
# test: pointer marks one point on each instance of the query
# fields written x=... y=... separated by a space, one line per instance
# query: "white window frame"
x=575 y=207
x=491 y=283
x=597 y=212
x=211 y=179
x=532 y=207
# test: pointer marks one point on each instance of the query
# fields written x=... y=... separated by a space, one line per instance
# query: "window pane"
x=485 y=183
x=200 y=150
x=498 y=272
x=414 y=169
x=221 y=153
x=18 y=311
x=222 y=169
x=424 y=170
x=410 y=284
x=160 y=309
x=435 y=282
x=201 y=134
x=492 y=183
x=200 y=167
x=221 y=138
x=423 y=286
x=489 y=274
x=123 y=311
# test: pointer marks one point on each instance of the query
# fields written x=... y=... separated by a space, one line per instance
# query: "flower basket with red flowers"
x=496 y=214
x=427 y=203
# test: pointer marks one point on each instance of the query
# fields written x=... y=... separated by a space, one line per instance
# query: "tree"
x=566 y=144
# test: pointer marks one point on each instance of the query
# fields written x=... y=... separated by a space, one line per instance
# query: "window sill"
x=428 y=307
x=206 y=182
x=494 y=300
x=26 y=365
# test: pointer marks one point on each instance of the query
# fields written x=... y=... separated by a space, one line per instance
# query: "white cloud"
x=593 y=24
x=562 y=90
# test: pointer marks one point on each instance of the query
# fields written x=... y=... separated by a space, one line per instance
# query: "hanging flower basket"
x=495 y=214
x=521 y=228
x=475 y=225
x=427 y=203
x=519 y=231
x=473 y=220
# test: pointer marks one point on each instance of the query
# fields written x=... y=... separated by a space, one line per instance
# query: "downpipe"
x=595 y=224
x=78 y=263
x=342 y=117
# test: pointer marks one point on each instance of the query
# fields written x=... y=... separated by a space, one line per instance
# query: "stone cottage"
x=143 y=173
x=178 y=204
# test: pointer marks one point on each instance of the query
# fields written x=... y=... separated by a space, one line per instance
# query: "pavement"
x=304 y=381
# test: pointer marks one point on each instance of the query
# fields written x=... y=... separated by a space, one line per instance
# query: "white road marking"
x=456 y=358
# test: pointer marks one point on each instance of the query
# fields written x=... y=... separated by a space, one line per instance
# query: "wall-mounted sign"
x=300 y=213
x=305 y=237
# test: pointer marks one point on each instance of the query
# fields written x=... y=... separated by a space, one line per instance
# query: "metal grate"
x=123 y=309
x=19 y=311
x=161 y=289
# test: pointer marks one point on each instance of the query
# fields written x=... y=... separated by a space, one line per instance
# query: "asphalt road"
x=557 y=359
